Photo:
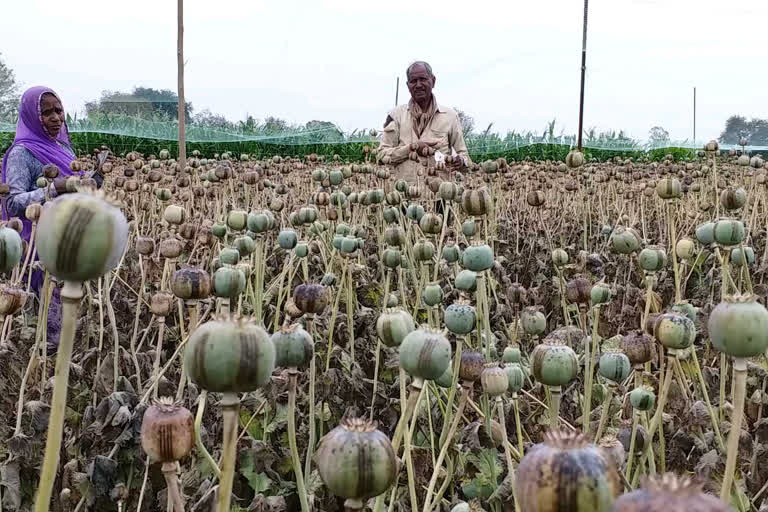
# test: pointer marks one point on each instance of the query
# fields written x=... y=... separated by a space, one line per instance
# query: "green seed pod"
x=614 y=366
x=287 y=239
x=293 y=347
x=229 y=256
x=674 y=331
x=244 y=245
x=336 y=241
x=431 y=223
x=652 y=259
x=401 y=186
x=394 y=198
x=478 y=257
x=471 y=366
x=600 y=294
x=356 y=461
x=79 y=237
x=705 y=233
x=738 y=326
x=451 y=253
x=685 y=249
x=310 y=298
x=191 y=283
x=237 y=220
x=167 y=431
x=460 y=318
x=319 y=175
x=423 y=250
x=390 y=215
x=729 y=232
x=228 y=282
x=468 y=228
x=446 y=379
x=447 y=191
x=554 y=365
x=567 y=473
x=494 y=380
x=461 y=506
x=301 y=250
x=737 y=256
x=639 y=347
x=229 y=355
x=393 y=325
x=669 y=188
x=391 y=258
x=559 y=257
x=686 y=309
x=432 y=295
x=425 y=353
x=348 y=245
x=394 y=236
x=515 y=377
x=10 y=249
x=466 y=281
x=669 y=493
x=533 y=321
x=414 y=212
x=511 y=354
x=642 y=398
x=624 y=241
x=41 y=182
x=258 y=222
x=219 y=231
x=335 y=177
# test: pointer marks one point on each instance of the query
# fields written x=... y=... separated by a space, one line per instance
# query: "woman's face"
x=53 y=114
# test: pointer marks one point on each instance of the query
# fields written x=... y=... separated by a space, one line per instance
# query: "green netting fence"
x=123 y=133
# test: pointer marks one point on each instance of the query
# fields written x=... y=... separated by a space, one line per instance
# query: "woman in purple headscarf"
x=41 y=138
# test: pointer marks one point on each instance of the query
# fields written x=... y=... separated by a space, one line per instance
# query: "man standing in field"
x=421 y=128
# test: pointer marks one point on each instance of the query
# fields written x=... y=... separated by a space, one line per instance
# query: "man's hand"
x=424 y=148
x=456 y=162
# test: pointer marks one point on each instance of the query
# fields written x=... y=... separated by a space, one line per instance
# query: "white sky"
x=514 y=63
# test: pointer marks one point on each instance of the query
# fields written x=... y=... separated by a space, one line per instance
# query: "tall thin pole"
x=583 y=72
x=182 y=107
x=397 y=90
x=694 y=116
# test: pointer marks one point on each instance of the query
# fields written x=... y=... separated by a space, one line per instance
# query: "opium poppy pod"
x=559 y=257
x=356 y=461
x=167 y=431
x=390 y=257
x=494 y=380
x=432 y=295
x=414 y=212
x=614 y=366
x=310 y=298
x=468 y=227
x=466 y=281
x=652 y=259
x=743 y=256
x=578 y=290
x=705 y=233
x=244 y=245
x=669 y=188
x=229 y=256
x=685 y=249
x=471 y=366
x=293 y=347
x=237 y=220
x=554 y=365
x=669 y=493
x=451 y=253
x=733 y=198
x=638 y=346
x=287 y=239
x=600 y=293
x=10 y=249
x=431 y=223
x=394 y=236
x=423 y=250
x=478 y=257
x=460 y=318
x=393 y=325
x=566 y=472
x=738 y=326
x=624 y=241
x=12 y=300
x=228 y=282
x=80 y=236
x=729 y=232
x=515 y=377
x=642 y=398
x=191 y=283
x=674 y=331
x=477 y=202
x=229 y=355
x=533 y=321
x=511 y=354
x=425 y=353
x=574 y=159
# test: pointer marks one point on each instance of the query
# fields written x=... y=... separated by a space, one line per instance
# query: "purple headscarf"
x=32 y=135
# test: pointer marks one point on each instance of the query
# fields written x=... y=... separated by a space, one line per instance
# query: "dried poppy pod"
x=356 y=461
x=33 y=211
x=574 y=159
x=471 y=366
x=535 y=198
x=578 y=290
x=12 y=300
x=171 y=247
x=669 y=493
x=191 y=283
x=477 y=202
x=11 y=248
x=566 y=472
x=669 y=188
x=311 y=299
x=167 y=431
x=685 y=249
x=478 y=257
x=161 y=304
x=494 y=380
x=431 y=223
x=294 y=347
x=639 y=347
x=517 y=294
x=733 y=198
x=5 y=189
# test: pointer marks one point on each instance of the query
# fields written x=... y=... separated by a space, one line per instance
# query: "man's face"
x=420 y=84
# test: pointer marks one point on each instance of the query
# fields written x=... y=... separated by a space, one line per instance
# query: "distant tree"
x=9 y=93
x=755 y=131
x=324 y=131
x=208 y=119
x=142 y=102
x=467 y=122
x=275 y=125
x=658 y=136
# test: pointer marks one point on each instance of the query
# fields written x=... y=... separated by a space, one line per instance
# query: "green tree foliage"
x=755 y=131
x=144 y=102
x=9 y=93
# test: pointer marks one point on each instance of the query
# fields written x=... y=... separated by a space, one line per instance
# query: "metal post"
x=397 y=90
x=182 y=161
x=694 y=116
x=583 y=72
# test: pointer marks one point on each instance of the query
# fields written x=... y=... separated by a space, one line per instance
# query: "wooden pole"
x=397 y=90
x=182 y=160
x=583 y=72
x=694 y=116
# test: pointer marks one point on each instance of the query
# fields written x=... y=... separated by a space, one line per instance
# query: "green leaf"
x=259 y=482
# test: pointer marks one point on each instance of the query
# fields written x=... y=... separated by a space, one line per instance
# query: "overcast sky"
x=512 y=63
